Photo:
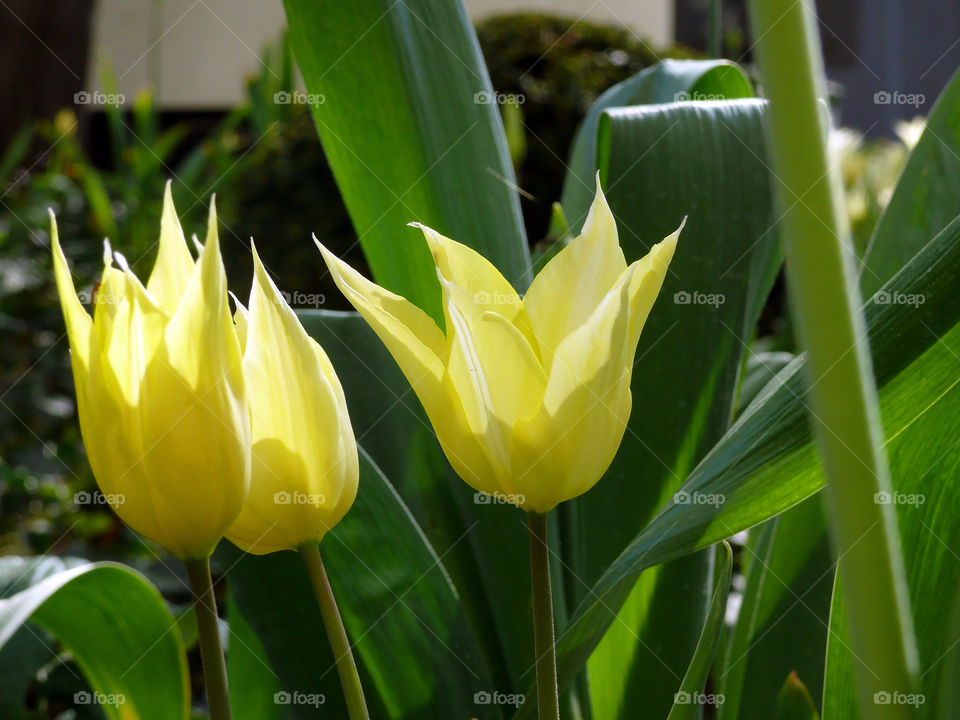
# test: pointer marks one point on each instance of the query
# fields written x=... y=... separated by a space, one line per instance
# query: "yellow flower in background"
x=305 y=468
x=529 y=397
x=160 y=392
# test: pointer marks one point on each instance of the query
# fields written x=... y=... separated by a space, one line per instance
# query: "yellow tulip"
x=160 y=392
x=529 y=397
x=305 y=467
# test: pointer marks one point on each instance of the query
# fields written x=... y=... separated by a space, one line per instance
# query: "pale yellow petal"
x=567 y=290
x=475 y=275
x=174 y=264
x=567 y=447
x=646 y=281
x=78 y=321
x=497 y=376
x=303 y=446
x=411 y=336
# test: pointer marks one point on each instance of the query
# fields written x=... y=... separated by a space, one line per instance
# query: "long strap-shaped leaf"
x=118 y=629
x=411 y=128
x=844 y=409
x=687 y=702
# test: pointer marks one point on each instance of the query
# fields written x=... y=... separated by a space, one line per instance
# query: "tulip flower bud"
x=529 y=397
x=160 y=392
x=305 y=467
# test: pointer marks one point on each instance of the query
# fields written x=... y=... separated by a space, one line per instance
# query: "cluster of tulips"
x=208 y=422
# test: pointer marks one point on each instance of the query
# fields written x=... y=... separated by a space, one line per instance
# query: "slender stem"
x=548 y=696
x=211 y=652
x=842 y=389
x=339 y=643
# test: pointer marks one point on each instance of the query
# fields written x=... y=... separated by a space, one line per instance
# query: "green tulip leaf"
x=114 y=624
x=409 y=124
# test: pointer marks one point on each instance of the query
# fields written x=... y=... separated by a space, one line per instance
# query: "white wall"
x=198 y=52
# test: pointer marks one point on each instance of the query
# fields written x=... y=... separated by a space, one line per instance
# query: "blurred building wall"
x=197 y=53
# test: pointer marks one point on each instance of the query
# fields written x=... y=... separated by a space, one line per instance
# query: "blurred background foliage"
x=272 y=184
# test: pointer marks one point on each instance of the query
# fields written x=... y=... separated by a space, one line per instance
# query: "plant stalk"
x=826 y=306
x=548 y=695
x=208 y=629
x=339 y=642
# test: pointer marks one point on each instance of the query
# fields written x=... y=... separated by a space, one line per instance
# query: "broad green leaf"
x=794 y=701
x=412 y=130
x=687 y=701
x=115 y=625
x=765 y=464
x=665 y=82
x=782 y=624
x=483 y=547
x=926 y=198
x=759 y=370
x=659 y=163
x=415 y=648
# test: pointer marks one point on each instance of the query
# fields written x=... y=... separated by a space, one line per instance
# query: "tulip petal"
x=497 y=376
x=472 y=272
x=199 y=413
x=78 y=321
x=411 y=336
x=586 y=405
x=567 y=290
x=303 y=442
x=174 y=264
x=647 y=279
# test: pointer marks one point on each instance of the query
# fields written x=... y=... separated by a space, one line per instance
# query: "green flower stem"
x=548 y=697
x=339 y=643
x=842 y=390
x=211 y=652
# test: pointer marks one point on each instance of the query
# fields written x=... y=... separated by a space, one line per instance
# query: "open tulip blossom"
x=529 y=397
